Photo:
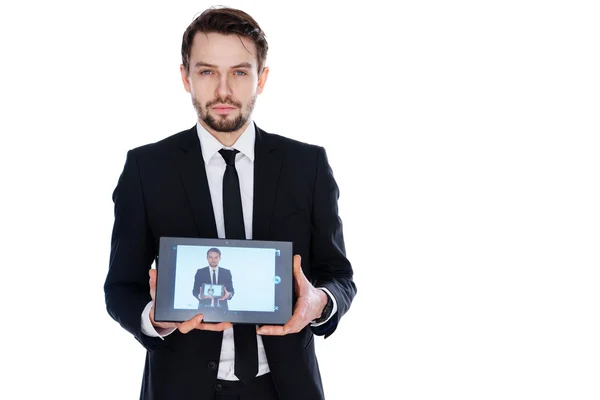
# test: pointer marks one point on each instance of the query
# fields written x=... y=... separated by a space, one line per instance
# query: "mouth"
x=223 y=108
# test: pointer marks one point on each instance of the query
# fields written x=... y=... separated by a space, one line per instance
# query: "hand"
x=226 y=295
x=187 y=326
x=309 y=305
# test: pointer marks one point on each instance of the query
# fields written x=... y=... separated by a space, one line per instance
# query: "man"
x=226 y=177
x=213 y=275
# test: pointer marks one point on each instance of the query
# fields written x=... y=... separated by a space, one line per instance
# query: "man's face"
x=213 y=259
x=223 y=80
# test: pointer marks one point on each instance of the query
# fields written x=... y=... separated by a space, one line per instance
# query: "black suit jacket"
x=224 y=278
x=163 y=191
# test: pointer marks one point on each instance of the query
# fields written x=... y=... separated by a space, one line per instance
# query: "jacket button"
x=218 y=387
x=212 y=365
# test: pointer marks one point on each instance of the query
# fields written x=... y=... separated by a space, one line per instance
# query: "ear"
x=185 y=78
x=262 y=79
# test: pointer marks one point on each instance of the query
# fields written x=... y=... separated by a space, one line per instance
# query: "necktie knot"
x=229 y=156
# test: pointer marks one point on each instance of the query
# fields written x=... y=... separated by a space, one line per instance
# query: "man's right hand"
x=184 y=327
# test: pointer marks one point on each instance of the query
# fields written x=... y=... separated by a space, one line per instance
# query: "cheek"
x=202 y=88
x=245 y=86
x=245 y=94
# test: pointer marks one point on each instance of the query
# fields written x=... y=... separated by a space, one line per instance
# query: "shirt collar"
x=210 y=145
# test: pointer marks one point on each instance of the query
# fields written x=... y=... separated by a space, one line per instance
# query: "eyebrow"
x=242 y=65
x=201 y=64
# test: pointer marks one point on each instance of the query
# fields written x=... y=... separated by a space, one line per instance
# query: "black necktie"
x=214 y=277
x=244 y=335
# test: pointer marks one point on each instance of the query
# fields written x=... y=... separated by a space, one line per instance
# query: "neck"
x=227 y=139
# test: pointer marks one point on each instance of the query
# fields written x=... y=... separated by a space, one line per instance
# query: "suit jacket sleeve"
x=329 y=266
x=126 y=288
x=197 y=283
x=228 y=282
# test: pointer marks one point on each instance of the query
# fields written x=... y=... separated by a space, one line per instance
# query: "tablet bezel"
x=164 y=310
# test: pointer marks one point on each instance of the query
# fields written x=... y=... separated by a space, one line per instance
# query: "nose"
x=224 y=90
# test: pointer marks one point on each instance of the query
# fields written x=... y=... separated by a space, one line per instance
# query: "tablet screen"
x=240 y=281
x=210 y=290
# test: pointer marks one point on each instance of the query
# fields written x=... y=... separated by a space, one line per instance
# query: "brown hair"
x=213 y=250
x=226 y=21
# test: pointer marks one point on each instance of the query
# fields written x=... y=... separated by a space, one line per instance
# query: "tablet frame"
x=164 y=310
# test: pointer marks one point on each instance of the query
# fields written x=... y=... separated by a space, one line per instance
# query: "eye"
x=240 y=73
x=206 y=72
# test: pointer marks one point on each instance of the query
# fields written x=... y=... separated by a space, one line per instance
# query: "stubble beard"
x=224 y=123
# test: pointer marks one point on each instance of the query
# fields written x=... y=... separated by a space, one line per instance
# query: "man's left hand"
x=226 y=295
x=309 y=305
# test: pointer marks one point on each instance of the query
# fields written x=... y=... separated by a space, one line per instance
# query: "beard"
x=224 y=123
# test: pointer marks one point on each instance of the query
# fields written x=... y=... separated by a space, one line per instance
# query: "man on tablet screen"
x=213 y=277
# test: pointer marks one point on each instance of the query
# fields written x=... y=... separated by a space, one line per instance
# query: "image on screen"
x=247 y=274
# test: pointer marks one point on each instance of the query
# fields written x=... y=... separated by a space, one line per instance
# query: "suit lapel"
x=267 y=166
x=193 y=176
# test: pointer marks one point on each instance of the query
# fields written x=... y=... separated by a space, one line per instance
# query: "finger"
x=278 y=330
x=297 y=318
x=221 y=326
x=298 y=273
x=271 y=330
x=297 y=264
x=193 y=323
x=152 y=274
x=165 y=325
x=152 y=314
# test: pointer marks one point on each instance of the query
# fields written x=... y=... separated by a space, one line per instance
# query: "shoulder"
x=282 y=142
x=167 y=146
x=294 y=152
x=303 y=160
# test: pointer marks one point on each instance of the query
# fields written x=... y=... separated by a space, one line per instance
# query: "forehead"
x=222 y=50
x=213 y=254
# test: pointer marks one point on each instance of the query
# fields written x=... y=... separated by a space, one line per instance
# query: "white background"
x=464 y=138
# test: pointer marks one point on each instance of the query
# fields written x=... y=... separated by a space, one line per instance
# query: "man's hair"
x=226 y=21
x=213 y=250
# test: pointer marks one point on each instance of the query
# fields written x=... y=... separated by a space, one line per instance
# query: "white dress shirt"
x=215 y=168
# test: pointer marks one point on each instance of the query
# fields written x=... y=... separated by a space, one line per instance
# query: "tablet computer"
x=211 y=290
x=238 y=281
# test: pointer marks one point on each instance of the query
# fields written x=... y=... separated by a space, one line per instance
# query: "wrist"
x=325 y=307
x=324 y=298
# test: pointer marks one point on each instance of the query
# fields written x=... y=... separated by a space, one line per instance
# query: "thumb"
x=152 y=274
x=298 y=273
